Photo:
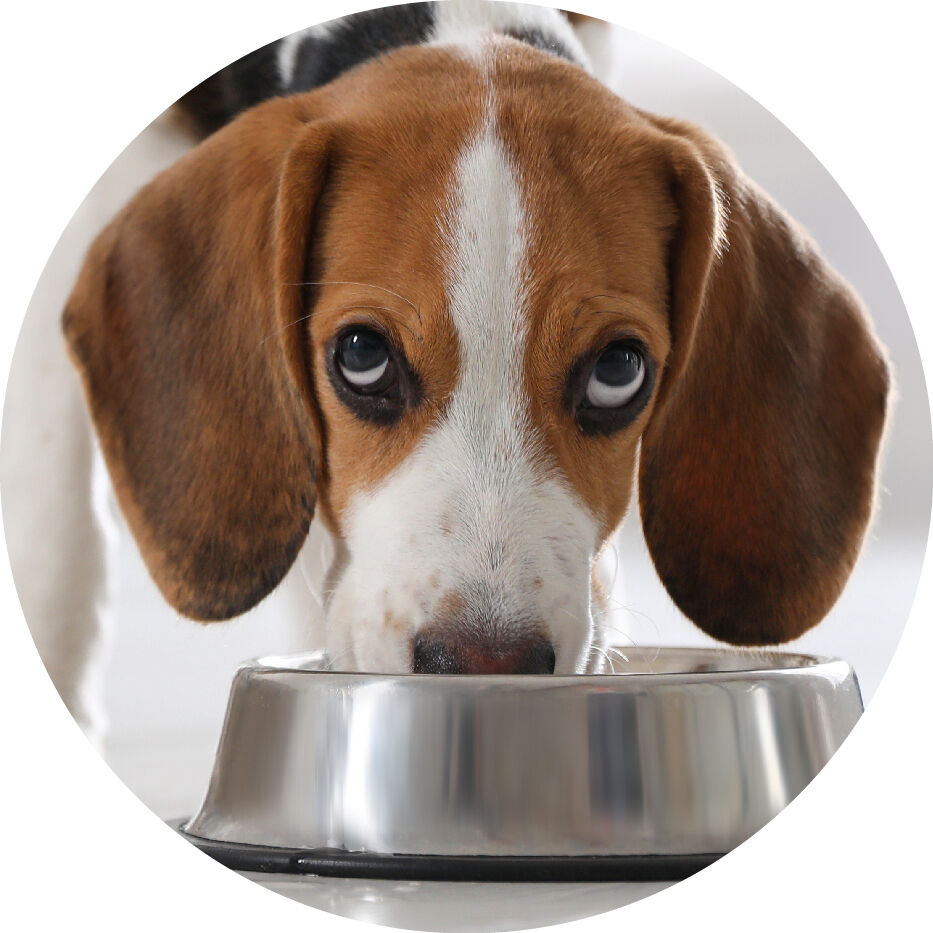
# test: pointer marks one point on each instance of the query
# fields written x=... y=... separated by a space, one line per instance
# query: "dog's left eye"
x=364 y=360
x=607 y=390
x=617 y=376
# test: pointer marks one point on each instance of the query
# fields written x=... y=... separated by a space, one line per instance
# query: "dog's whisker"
x=609 y=627
x=605 y=655
x=336 y=659
x=623 y=607
x=593 y=655
x=615 y=630
x=615 y=649
x=393 y=311
x=648 y=662
x=305 y=575
x=643 y=615
x=305 y=317
x=594 y=660
x=381 y=288
x=284 y=327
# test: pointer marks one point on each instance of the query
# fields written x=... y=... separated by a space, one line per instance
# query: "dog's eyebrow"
x=393 y=311
x=352 y=307
x=581 y=306
x=616 y=296
x=388 y=291
x=381 y=288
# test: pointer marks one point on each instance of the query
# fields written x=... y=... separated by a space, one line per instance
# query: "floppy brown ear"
x=757 y=470
x=198 y=386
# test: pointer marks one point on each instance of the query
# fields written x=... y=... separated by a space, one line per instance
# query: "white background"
x=81 y=80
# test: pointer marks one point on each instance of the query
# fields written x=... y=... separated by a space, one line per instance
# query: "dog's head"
x=454 y=303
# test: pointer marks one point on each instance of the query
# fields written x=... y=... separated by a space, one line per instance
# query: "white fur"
x=465 y=23
x=288 y=50
x=475 y=512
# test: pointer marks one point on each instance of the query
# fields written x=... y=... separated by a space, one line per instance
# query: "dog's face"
x=443 y=301
x=484 y=353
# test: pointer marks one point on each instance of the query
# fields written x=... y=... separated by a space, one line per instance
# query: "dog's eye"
x=617 y=376
x=370 y=375
x=607 y=390
x=364 y=360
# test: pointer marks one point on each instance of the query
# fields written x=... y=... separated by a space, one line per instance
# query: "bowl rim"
x=797 y=664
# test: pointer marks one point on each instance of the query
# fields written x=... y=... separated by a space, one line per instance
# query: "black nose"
x=444 y=653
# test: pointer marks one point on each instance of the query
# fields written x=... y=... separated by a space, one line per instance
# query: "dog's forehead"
x=427 y=100
x=492 y=215
x=592 y=196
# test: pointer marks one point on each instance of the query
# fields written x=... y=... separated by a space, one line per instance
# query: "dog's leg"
x=54 y=509
x=57 y=512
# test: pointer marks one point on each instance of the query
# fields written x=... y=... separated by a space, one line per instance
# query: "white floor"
x=455 y=906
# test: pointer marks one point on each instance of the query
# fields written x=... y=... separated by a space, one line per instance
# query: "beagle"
x=429 y=282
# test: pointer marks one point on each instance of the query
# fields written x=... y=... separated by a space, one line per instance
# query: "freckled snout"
x=447 y=651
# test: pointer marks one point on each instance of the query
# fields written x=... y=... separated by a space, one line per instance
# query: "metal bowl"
x=653 y=771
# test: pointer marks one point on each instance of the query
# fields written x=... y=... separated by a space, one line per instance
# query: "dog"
x=428 y=284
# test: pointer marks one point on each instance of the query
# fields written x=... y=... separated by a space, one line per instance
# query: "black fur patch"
x=542 y=41
x=319 y=59
x=357 y=39
x=248 y=81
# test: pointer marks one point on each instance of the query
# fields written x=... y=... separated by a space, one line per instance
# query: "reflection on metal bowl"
x=652 y=771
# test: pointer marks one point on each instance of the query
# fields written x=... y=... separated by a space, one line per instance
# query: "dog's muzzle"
x=446 y=651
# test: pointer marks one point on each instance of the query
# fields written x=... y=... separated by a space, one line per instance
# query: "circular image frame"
x=914 y=512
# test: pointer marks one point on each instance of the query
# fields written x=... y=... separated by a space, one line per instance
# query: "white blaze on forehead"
x=485 y=239
x=474 y=512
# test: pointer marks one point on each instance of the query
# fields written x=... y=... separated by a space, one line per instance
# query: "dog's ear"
x=757 y=470
x=185 y=326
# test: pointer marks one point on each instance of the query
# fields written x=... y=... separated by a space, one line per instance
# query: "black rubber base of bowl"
x=339 y=863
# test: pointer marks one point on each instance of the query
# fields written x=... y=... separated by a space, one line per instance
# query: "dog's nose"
x=445 y=653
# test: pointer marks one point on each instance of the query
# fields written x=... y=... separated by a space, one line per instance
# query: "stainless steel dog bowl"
x=651 y=772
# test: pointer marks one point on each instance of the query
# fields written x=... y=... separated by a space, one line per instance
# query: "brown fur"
x=176 y=326
x=600 y=218
x=379 y=223
x=757 y=472
x=757 y=468
x=188 y=323
x=203 y=354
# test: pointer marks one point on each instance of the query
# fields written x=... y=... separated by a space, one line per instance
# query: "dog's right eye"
x=370 y=375
x=364 y=361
